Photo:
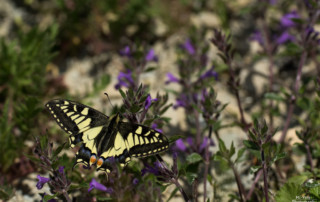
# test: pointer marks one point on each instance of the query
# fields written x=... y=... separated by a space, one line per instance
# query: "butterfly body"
x=104 y=139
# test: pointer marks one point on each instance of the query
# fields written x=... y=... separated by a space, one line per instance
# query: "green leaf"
x=274 y=96
x=174 y=138
x=254 y=169
x=173 y=193
x=289 y=192
x=222 y=146
x=123 y=95
x=278 y=156
x=58 y=150
x=104 y=198
x=48 y=197
x=251 y=145
x=194 y=158
x=240 y=154
x=191 y=177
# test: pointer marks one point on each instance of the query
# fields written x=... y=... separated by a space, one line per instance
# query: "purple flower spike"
x=154 y=127
x=124 y=79
x=257 y=36
x=209 y=73
x=148 y=101
x=286 y=20
x=154 y=170
x=206 y=142
x=151 y=56
x=285 y=37
x=61 y=168
x=180 y=145
x=172 y=79
x=135 y=181
x=189 y=47
x=96 y=185
x=126 y=51
x=42 y=181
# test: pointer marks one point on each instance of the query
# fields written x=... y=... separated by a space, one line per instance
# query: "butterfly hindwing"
x=74 y=117
x=142 y=141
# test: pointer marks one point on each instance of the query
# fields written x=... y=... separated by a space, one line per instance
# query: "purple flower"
x=124 y=79
x=172 y=78
x=96 y=185
x=61 y=168
x=152 y=169
x=135 y=181
x=206 y=142
x=257 y=36
x=182 y=101
x=284 y=37
x=209 y=73
x=151 y=56
x=286 y=20
x=154 y=127
x=189 y=47
x=148 y=101
x=125 y=52
x=42 y=181
x=272 y=2
x=180 y=145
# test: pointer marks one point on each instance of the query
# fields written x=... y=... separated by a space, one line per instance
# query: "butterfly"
x=104 y=140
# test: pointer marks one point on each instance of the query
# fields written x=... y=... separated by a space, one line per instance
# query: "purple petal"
x=42 y=181
x=124 y=79
x=190 y=141
x=151 y=56
x=286 y=20
x=154 y=127
x=172 y=78
x=285 y=37
x=180 y=145
x=61 y=168
x=96 y=185
x=125 y=52
x=257 y=36
x=209 y=73
x=148 y=102
x=189 y=47
x=135 y=181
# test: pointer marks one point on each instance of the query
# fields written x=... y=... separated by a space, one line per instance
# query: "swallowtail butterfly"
x=104 y=140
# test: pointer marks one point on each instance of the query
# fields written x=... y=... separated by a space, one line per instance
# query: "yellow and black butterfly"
x=104 y=139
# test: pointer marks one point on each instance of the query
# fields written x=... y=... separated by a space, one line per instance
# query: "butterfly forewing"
x=74 y=117
x=142 y=141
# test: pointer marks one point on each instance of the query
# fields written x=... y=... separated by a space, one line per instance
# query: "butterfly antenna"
x=109 y=99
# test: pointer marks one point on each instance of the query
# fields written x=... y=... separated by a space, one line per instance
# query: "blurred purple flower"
x=272 y=2
x=257 y=36
x=125 y=52
x=135 y=181
x=181 y=101
x=287 y=19
x=96 y=185
x=148 y=102
x=61 y=168
x=206 y=142
x=209 y=73
x=154 y=127
x=284 y=37
x=152 y=169
x=151 y=56
x=42 y=181
x=172 y=78
x=180 y=145
x=124 y=79
x=189 y=47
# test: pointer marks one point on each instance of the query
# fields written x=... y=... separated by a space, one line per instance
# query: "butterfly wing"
x=142 y=141
x=83 y=123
